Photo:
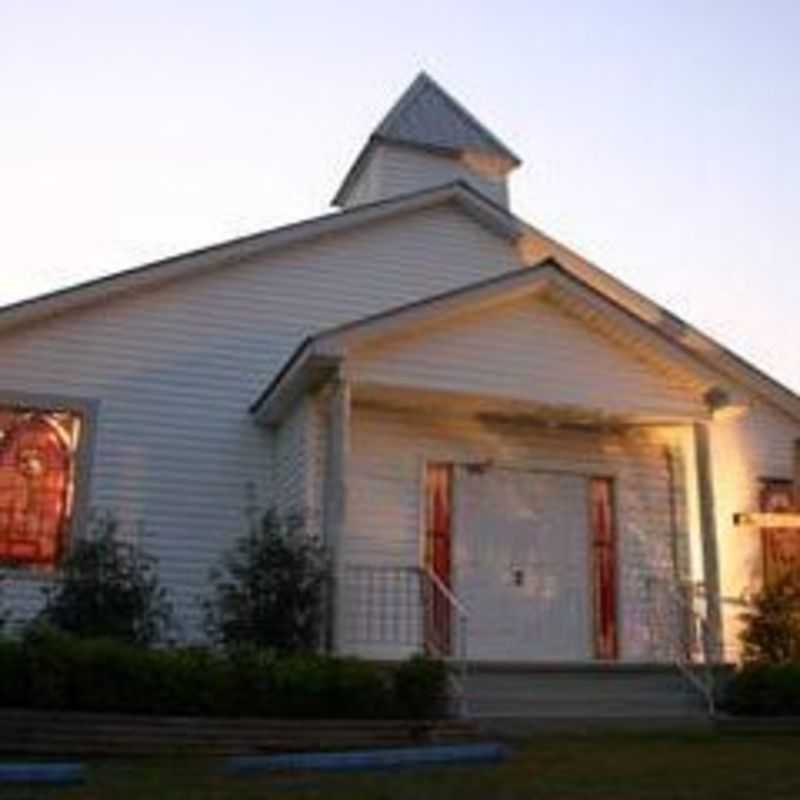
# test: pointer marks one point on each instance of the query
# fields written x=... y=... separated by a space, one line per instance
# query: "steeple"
x=427 y=139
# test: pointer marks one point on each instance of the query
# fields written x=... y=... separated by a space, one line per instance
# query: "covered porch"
x=517 y=472
x=485 y=530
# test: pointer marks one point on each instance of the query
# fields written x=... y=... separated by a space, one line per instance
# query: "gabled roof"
x=427 y=116
x=492 y=216
x=318 y=356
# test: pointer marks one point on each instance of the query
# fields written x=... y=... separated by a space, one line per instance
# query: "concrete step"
x=523 y=727
x=550 y=691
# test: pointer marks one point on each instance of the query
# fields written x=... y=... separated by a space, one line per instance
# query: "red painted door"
x=604 y=568
x=438 y=551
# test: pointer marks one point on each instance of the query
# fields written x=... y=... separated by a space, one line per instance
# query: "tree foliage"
x=269 y=590
x=772 y=625
x=108 y=587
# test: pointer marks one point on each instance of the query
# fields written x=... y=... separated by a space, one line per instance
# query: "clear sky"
x=660 y=139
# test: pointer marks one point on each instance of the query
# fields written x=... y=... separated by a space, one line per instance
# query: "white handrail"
x=682 y=659
x=461 y=636
x=443 y=588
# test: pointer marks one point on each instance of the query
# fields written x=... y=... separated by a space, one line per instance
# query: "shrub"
x=321 y=686
x=13 y=674
x=268 y=591
x=764 y=689
x=420 y=686
x=108 y=588
x=772 y=625
x=49 y=669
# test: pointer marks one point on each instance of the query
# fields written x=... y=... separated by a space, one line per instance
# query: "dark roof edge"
x=287 y=366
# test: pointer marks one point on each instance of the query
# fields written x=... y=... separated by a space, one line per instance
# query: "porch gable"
x=532 y=352
x=536 y=336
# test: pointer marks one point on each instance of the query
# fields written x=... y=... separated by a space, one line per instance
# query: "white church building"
x=512 y=456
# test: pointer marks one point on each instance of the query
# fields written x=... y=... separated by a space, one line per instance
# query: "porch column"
x=336 y=500
x=708 y=535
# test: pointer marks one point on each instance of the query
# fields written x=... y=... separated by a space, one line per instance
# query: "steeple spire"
x=426 y=116
x=427 y=138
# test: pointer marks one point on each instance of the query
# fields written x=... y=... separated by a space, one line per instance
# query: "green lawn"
x=554 y=767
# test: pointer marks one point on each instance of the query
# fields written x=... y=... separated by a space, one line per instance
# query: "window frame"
x=88 y=409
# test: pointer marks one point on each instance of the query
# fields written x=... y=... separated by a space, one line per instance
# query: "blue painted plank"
x=50 y=773
x=396 y=758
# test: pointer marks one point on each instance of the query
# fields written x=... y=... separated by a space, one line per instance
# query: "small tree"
x=269 y=590
x=772 y=625
x=108 y=588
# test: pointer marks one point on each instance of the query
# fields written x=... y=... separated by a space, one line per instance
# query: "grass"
x=618 y=767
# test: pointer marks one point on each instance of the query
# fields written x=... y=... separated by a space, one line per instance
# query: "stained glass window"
x=781 y=546
x=38 y=451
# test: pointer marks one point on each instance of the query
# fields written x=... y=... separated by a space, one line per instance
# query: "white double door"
x=522 y=564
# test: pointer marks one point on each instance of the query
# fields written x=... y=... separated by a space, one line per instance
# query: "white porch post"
x=708 y=534
x=336 y=501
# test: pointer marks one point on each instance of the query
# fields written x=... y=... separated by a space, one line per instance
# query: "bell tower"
x=427 y=139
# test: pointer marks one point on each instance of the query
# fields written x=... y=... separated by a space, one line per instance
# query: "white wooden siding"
x=299 y=463
x=759 y=444
x=175 y=369
x=392 y=171
x=527 y=350
x=291 y=461
x=389 y=449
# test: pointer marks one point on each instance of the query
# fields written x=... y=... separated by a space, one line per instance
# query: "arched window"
x=37 y=482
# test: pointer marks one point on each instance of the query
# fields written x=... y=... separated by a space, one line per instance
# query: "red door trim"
x=604 y=569
x=439 y=549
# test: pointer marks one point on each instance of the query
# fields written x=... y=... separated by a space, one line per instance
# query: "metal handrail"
x=462 y=614
x=682 y=649
x=708 y=686
x=446 y=591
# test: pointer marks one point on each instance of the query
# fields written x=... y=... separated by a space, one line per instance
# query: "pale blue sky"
x=659 y=139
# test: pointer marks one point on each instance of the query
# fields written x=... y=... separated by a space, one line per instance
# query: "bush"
x=764 y=690
x=108 y=588
x=769 y=682
x=13 y=674
x=49 y=669
x=420 y=686
x=772 y=626
x=269 y=589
